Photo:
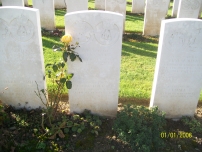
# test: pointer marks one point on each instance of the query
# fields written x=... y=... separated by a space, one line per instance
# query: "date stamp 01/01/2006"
x=176 y=135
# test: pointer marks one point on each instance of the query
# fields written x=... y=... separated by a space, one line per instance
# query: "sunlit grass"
x=138 y=54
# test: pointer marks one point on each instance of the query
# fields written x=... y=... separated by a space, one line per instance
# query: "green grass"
x=138 y=55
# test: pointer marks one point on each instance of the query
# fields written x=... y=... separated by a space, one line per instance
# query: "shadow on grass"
x=60 y=12
x=143 y=49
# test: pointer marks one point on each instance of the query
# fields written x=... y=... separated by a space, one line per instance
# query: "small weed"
x=194 y=125
x=140 y=127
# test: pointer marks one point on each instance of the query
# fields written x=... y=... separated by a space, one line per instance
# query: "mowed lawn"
x=138 y=54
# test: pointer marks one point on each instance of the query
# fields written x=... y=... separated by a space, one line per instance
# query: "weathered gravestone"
x=175 y=7
x=178 y=75
x=47 y=13
x=138 y=6
x=60 y=3
x=100 y=4
x=12 y=2
x=189 y=8
x=155 y=12
x=118 y=6
x=76 y=5
x=26 y=2
x=21 y=57
x=96 y=79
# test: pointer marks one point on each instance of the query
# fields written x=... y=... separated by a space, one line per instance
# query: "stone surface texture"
x=175 y=8
x=21 y=57
x=47 y=13
x=26 y=2
x=155 y=12
x=12 y=2
x=76 y=5
x=95 y=84
x=138 y=6
x=100 y=4
x=118 y=6
x=200 y=11
x=189 y=8
x=60 y=3
x=178 y=76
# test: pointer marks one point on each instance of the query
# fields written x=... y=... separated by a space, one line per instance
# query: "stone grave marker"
x=155 y=12
x=12 y=2
x=95 y=84
x=178 y=76
x=100 y=4
x=189 y=8
x=118 y=6
x=47 y=13
x=138 y=6
x=21 y=57
x=175 y=8
x=76 y=5
x=60 y=3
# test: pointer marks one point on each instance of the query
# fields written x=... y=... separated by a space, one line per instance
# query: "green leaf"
x=75 y=117
x=82 y=127
x=68 y=84
x=69 y=76
x=47 y=65
x=79 y=130
x=72 y=56
x=66 y=130
x=79 y=58
x=65 y=55
x=55 y=68
x=49 y=75
x=70 y=124
x=59 y=65
x=62 y=80
x=74 y=129
x=62 y=64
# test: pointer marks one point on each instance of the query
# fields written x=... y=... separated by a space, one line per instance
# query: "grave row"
x=177 y=79
x=155 y=10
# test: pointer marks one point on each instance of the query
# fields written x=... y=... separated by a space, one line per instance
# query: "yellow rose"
x=66 y=38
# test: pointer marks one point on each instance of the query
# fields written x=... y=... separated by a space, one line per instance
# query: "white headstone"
x=178 y=76
x=175 y=8
x=12 y=2
x=138 y=6
x=155 y=12
x=47 y=13
x=95 y=84
x=60 y=3
x=118 y=6
x=21 y=57
x=76 y=5
x=189 y=8
x=100 y=4
x=26 y=2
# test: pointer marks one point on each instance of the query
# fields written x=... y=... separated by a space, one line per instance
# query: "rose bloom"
x=66 y=38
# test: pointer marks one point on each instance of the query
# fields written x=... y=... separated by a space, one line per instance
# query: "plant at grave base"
x=140 y=127
x=59 y=78
x=78 y=123
x=194 y=125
